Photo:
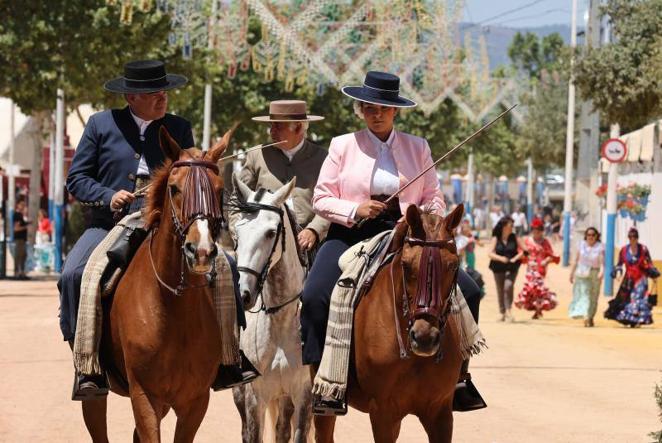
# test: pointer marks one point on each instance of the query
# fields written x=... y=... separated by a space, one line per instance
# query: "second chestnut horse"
x=417 y=284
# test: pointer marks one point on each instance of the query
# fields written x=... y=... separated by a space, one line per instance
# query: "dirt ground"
x=549 y=380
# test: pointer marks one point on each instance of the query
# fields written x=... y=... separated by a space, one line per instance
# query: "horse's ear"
x=452 y=220
x=398 y=237
x=241 y=188
x=284 y=192
x=216 y=151
x=413 y=218
x=169 y=146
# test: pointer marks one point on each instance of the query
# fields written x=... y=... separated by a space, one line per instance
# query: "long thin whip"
x=458 y=146
x=144 y=189
x=455 y=148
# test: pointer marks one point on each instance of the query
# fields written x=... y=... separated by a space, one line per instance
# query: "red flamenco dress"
x=535 y=296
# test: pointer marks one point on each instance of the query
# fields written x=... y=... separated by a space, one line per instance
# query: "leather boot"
x=467 y=398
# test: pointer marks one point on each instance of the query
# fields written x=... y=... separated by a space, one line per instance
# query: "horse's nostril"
x=190 y=248
x=246 y=297
x=412 y=335
x=214 y=250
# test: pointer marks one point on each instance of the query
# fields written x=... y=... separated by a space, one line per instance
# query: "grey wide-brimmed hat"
x=379 y=88
x=288 y=111
x=143 y=77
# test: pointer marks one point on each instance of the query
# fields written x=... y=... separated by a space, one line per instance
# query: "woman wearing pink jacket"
x=361 y=170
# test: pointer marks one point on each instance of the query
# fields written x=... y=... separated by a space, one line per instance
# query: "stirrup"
x=90 y=387
x=235 y=375
x=467 y=398
x=328 y=407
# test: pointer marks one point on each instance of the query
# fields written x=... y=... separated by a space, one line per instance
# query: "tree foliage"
x=543 y=65
x=623 y=78
x=75 y=45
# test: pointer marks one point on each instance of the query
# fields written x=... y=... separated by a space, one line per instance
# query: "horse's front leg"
x=189 y=418
x=385 y=424
x=147 y=413
x=94 y=415
x=283 y=418
x=255 y=410
x=303 y=412
x=439 y=424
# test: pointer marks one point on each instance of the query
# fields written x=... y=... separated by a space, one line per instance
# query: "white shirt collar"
x=142 y=124
x=290 y=153
x=377 y=142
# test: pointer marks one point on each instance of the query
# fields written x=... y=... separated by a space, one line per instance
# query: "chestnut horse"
x=162 y=336
x=410 y=365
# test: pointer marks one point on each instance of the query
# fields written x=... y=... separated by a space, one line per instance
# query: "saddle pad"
x=371 y=246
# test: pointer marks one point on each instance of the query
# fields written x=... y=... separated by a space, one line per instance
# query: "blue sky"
x=522 y=13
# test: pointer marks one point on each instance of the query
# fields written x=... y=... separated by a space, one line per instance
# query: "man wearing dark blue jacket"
x=118 y=150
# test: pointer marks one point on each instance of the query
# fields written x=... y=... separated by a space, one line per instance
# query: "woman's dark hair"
x=595 y=231
x=498 y=229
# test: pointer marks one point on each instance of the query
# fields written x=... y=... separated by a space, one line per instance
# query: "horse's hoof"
x=327 y=406
x=89 y=387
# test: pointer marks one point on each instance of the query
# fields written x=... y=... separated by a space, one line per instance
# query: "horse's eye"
x=270 y=234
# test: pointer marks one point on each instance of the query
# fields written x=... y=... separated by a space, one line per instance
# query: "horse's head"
x=188 y=192
x=260 y=235
x=429 y=264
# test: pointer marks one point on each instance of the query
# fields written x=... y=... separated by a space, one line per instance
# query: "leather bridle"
x=428 y=301
x=198 y=203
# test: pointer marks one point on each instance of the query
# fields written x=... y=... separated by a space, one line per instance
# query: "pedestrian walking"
x=630 y=305
x=535 y=296
x=520 y=222
x=44 y=228
x=20 y=240
x=505 y=255
x=585 y=275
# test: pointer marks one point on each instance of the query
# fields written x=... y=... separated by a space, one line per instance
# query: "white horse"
x=271 y=279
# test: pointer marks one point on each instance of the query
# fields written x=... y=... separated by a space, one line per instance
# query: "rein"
x=198 y=203
x=428 y=301
x=253 y=207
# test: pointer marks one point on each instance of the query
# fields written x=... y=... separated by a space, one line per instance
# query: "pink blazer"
x=345 y=178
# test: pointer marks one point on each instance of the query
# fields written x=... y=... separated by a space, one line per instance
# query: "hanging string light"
x=326 y=42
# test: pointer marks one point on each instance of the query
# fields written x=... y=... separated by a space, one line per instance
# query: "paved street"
x=550 y=380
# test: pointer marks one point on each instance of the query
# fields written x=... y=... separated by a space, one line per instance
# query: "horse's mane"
x=156 y=195
x=237 y=204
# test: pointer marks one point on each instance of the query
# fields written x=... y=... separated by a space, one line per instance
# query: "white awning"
x=634 y=146
x=648 y=142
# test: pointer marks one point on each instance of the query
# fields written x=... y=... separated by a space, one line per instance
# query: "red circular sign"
x=614 y=150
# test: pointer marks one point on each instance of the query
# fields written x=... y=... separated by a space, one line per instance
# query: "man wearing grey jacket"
x=272 y=167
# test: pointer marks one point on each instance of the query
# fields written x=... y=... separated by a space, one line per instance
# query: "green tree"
x=623 y=78
x=73 y=45
x=542 y=64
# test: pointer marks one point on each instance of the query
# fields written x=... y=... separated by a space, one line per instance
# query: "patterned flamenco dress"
x=535 y=296
x=630 y=306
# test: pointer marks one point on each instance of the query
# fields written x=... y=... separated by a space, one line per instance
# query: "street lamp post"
x=569 y=142
x=58 y=185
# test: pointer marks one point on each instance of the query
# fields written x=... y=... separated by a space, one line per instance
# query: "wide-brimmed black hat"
x=379 y=88
x=143 y=77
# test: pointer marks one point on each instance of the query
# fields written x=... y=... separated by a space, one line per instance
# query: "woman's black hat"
x=144 y=76
x=379 y=88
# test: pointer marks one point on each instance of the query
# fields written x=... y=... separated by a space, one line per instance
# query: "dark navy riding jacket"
x=108 y=154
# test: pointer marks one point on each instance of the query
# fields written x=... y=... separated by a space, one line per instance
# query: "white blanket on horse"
x=331 y=378
x=89 y=324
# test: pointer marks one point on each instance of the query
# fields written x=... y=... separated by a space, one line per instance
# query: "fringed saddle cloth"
x=99 y=280
x=359 y=265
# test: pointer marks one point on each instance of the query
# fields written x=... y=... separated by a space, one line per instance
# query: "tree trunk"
x=34 y=198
